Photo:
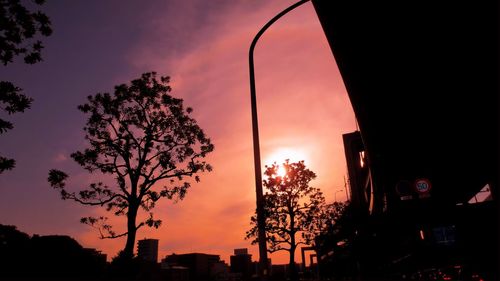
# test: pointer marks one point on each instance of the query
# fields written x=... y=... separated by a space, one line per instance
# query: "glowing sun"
x=281 y=172
x=280 y=155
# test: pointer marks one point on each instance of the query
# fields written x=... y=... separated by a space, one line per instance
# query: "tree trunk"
x=128 y=252
x=293 y=269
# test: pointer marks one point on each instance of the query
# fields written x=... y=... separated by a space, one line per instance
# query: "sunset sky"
x=203 y=45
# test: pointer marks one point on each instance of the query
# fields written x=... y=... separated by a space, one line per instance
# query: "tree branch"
x=278 y=249
x=133 y=139
x=73 y=197
x=302 y=243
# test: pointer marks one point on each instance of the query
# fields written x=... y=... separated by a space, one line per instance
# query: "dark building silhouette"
x=279 y=271
x=176 y=272
x=97 y=255
x=423 y=80
x=426 y=99
x=201 y=266
x=282 y=271
x=417 y=232
x=360 y=186
x=147 y=249
x=241 y=263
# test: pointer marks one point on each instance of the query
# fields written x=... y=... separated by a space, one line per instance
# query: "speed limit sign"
x=422 y=186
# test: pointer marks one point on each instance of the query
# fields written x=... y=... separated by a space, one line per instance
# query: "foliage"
x=293 y=209
x=338 y=237
x=11 y=101
x=148 y=141
x=330 y=219
x=18 y=29
x=335 y=225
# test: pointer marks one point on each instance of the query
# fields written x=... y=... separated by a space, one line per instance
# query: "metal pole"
x=261 y=220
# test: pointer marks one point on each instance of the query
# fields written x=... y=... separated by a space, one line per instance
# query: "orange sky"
x=302 y=105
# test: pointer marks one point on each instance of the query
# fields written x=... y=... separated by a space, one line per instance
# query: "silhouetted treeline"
x=60 y=257
x=51 y=257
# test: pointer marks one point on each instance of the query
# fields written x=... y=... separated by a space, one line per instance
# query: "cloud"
x=302 y=104
x=60 y=157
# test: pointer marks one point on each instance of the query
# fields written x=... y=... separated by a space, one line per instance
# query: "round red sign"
x=422 y=185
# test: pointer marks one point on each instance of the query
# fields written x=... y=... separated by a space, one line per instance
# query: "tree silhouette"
x=292 y=210
x=337 y=235
x=18 y=29
x=148 y=141
x=331 y=218
x=11 y=101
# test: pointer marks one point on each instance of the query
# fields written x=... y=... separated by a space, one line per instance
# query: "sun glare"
x=280 y=155
x=281 y=171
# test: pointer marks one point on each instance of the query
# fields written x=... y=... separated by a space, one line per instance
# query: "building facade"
x=147 y=249
x=422 y=79
x=241 y=264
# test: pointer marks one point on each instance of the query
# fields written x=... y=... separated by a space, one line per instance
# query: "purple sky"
x=203 y=46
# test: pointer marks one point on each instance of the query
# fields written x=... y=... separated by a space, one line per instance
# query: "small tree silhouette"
x=293 y=210
x=338 y=235
x=18 y=28
x=146 y=139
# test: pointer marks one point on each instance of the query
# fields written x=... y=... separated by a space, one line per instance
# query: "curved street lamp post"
x=256 y=148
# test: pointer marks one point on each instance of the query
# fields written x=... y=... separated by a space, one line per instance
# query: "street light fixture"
x=261 y=220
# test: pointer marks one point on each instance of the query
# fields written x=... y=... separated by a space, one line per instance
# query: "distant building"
x=147 y=249
x=241 y=263
x=175 y=273
x=282 y=271
x=279 y=271
x=241 y=251
x=97 y=255
x=201 y=266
